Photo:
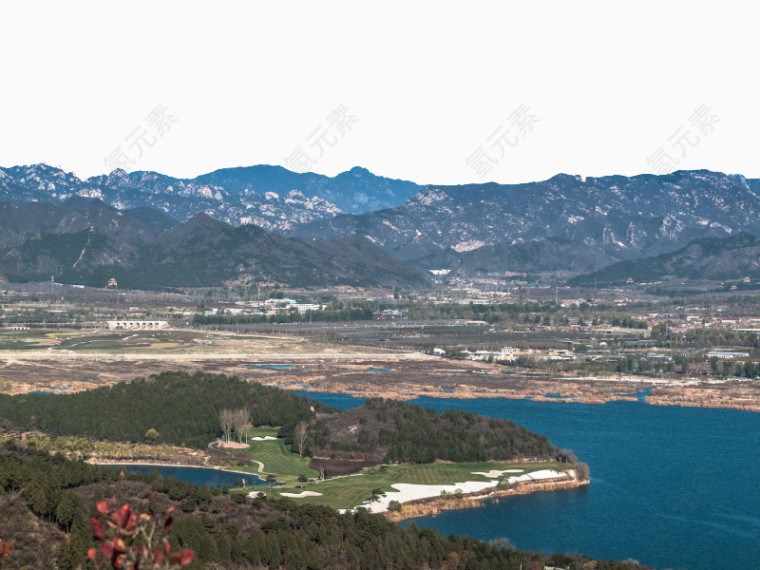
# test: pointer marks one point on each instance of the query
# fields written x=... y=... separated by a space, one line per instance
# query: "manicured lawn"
x=277 y=458
x=347 y=492
x=263 y=431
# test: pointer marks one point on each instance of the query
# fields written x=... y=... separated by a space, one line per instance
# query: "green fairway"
x=348 y=492
x=262 y=431
x=276 y=457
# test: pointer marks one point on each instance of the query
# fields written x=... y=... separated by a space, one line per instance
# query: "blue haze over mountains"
x=565 y=226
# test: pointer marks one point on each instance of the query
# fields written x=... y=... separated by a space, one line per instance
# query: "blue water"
x=340 y=401
x=201 y=476
x=671 y=487
x=272 y=366
x=63 y=390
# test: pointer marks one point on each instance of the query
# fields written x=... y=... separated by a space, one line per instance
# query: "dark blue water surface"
x=272 y=366
x=671 y=487
x=201 y=476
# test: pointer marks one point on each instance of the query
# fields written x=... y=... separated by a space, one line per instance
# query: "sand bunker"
x=537 y=476
x=406 y=492
x=233 y=445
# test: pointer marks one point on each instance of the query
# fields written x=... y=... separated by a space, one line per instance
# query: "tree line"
x=183 y=408
x=327 y=315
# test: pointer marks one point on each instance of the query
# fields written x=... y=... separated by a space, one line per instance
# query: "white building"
x=507 y=354
x=136 y=325
x=726 y=354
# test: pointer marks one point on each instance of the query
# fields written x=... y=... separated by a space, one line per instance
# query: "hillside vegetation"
x=391 y=431
x=46 y=503
x=186 y=410
x=86 y=242
x=183 y=408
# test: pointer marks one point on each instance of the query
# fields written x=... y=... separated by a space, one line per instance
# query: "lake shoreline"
x=113 y=463
x=408 y=392
x=434 y=505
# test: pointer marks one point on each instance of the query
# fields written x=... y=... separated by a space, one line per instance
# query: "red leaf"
x=187 y=556
x=119 y=545
x=121 y=516
x=97 y=528
x=107 y=549
x=183 y=558
x=91 y=553
x=103 y=507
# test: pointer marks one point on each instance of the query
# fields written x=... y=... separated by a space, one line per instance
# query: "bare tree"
x=226 y=422
x=583 y=471
x=300 y=435
x=567 y=456
x=240 y=419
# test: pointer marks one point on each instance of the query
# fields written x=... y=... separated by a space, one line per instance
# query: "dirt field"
x=68 y=362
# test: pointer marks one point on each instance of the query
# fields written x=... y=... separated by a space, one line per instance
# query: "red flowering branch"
x=132 y=541
x=5 y=550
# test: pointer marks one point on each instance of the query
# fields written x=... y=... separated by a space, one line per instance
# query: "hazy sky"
x=435 y=92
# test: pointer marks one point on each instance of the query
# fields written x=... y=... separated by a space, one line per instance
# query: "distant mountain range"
x=270 y=197
x=567 y=223
x=84 y=241
x=559 y=228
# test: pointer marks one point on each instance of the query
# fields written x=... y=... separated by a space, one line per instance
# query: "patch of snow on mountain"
x=468 y=245
x=430 y=196
x=390 y=225
x=90 y=193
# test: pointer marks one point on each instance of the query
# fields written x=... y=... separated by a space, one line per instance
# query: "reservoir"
x=671 y=487
x=201 y=476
